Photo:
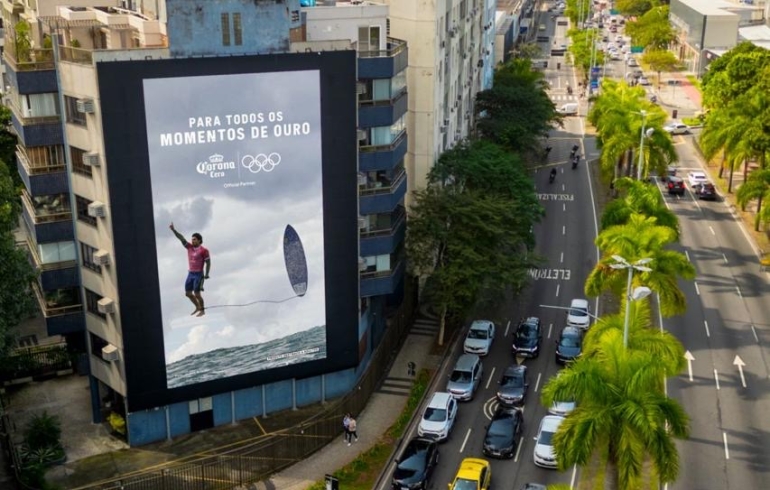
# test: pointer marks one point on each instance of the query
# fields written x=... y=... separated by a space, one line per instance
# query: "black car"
x=675 y=185
x=706 y=191
x=528 y=336
x=500 y=440
x=570 y=345
x=533 y=486
x=513 y=386
x=415 y=466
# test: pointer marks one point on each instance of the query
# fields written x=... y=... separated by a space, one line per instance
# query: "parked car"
x=414 y=468
x=466 y=377
x=479 y=338
x=577 y=315
x=500 y=440
x=676 y=128
x=439 y=417
x=705 y=191
x=643 y=80
x=632 y=62
x=569 y=345
x=694 y=178
x=513 y=386
x=473 y=474
x=561 y=409
x=675 y=185
x=526 y=342
x=544 y=455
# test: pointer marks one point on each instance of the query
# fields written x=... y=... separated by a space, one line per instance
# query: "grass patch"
x=693 y=81
x=692 y=121
x=362 y=472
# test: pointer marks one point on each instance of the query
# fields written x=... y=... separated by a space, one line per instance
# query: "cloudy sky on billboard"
x=237 y=158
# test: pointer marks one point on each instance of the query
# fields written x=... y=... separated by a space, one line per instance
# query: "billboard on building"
x=241 y=249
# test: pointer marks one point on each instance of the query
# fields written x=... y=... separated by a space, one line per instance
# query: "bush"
x=43 y=431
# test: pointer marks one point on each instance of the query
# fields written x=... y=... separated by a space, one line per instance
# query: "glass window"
x=374 y=38
x=87 y=253
x=237 y=29
x=383 y=262
x=397 y=128
x=41 y=105
x=398 y=83
x=225 y=19
x=73 y=115
x=92 y=303
x=82 y=205
x=97 y=344
x=381 y=136
x=76 y=156
x=381 y=89
x=50 y=253
x=363 y=38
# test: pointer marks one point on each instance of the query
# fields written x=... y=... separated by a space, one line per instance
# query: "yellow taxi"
x=474 y=474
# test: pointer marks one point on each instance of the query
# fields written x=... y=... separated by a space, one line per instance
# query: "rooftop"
x=711 y=7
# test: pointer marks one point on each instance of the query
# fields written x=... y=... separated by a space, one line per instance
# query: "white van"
x=569 y=109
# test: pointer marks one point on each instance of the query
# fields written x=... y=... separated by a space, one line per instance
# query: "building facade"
x=52 y=55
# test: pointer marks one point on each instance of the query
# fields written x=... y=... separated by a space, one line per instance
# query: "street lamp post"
x=638 y=293
x=642 y=134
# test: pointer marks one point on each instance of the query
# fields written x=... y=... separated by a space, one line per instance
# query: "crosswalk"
x=564 y=98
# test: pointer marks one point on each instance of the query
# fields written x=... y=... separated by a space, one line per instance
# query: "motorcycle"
x=575 y=161
x=552 y=177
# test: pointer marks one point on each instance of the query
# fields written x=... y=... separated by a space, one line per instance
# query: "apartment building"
x=75 y=216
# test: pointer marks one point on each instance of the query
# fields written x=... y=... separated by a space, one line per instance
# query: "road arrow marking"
x=690 y=358
x=739 y=362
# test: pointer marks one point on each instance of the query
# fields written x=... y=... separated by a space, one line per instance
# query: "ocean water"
x=309 y=345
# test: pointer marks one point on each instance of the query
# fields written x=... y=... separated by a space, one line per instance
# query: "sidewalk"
x=380 y=413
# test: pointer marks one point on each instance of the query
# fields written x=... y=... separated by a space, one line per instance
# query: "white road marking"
x=697 y=291
x=465 y=441
x=687 y=254
x=724 y=257
x=716 y=378
x=550 y=327
x=557 y=290
x=563 y=188
x=561 y=258
x=506 y=328
x=727 y=451
x=739 y=362
x=712 y=230
x=564 y=206
x=754 y=331
x=491 y=375
x=518 y=450
x=690 y=358
x=537 y=383
x=739 y=291
x=564 y=230
x=706 y=324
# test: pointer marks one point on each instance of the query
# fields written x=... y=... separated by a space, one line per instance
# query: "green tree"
x=517 y=111
x=660 y=60
x=621 y=410
x=757 y=186
x=8 y=143
x=635 y=8
x=734 y=73
x=642 y=237
x=530 y=51
x=638 y=197
x=651 y=30
x=582 y=49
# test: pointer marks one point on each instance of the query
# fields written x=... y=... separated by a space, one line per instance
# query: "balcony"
x=54 y=275
x=40 y=175
x=47 y=219
x=385 y=63
x=36 y=131
x=382 y=157
x=373 y=113
x=382 y=197
x=379 y=283
x=20 y=58
x=384 y=240
x=62 y=310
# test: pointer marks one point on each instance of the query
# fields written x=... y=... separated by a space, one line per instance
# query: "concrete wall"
x=721 y=31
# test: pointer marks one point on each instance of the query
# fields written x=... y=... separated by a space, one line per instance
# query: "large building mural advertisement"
x=236 y=170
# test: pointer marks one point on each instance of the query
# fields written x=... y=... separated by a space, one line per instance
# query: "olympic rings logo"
x=260 y=162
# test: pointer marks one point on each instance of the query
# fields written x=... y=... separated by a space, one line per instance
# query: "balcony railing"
x=39 y=265
x=382 y=103
x=386 y=273
x=375 y=188
x=51 y=308
x=47 y=213
x=395 y=46
x=388 y=230
x=36 y=167
x=391 y=146
x=30 y=120
x=27 y=59
x=76 y=55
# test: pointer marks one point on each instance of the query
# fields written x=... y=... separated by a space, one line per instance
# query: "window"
x=82 y=205
x=381 y=89
x=200 y=405
x=40 y=105
x=97 y=344
x=369 y=38
x=87 y=253
x=51 y=253
x=73 y=115
x=76 y=156
x=237 y=29
x=398 y=83
x=92 y=303
x=225 y=29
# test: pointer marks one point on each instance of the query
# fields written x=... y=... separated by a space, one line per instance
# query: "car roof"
x=515 y=369
x=471 y=467
x=698 y=174
x=550 y=423
x=480 y=323
x=571 y=331
x=531 y=319
x=579 y=303
x=439 y=400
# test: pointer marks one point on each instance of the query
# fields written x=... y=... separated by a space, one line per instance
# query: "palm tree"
x=622 y=410
x=757 y=186
x=725 y=132
x=641 y=198
x=642 y=237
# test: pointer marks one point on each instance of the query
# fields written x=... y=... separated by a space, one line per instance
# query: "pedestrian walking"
x=352 y=426
x=346 y=426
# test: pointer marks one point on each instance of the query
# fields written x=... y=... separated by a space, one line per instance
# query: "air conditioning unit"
x=360 y=88
x=91 y=159
x=105 y=306
x=86 y=106
x=110 y=353
x=102 y=257
x=97 y=210
x=361 y=179
x=446 y=122
x=361 y=134
x=361 y=223
x=361 y=264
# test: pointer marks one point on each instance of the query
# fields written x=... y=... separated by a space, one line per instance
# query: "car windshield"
x=435 y=414
x=545 y=438
x=499 y=428
x=515 y=381
x=569 y=341
x=460 y=376
x=413 y=461
x=578 y=312
x=477 y=334
x=526 y=332
x=463 y=484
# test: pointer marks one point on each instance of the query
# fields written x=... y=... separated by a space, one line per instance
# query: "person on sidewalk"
x=352 y=430
x=346 y=426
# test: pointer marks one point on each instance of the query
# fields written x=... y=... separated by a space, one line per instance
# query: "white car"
x=577 y=315
x=696 y=178
x=676 y=128
x=479 y=338
x=643 y=80
x=562 y=409
x=544 y=455
x=439 y=417
x=632 y=62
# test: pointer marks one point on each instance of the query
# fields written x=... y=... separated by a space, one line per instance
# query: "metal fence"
x=257 y=459
x=35 y=362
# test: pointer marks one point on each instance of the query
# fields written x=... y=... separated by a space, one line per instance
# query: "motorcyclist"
x=552 y=176
x=575 y=160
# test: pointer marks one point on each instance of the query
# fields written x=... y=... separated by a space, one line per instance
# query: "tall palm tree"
x=726 y=132
x=642 y=237
x=641 y=198
x=621 y=410
x=757 y=186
